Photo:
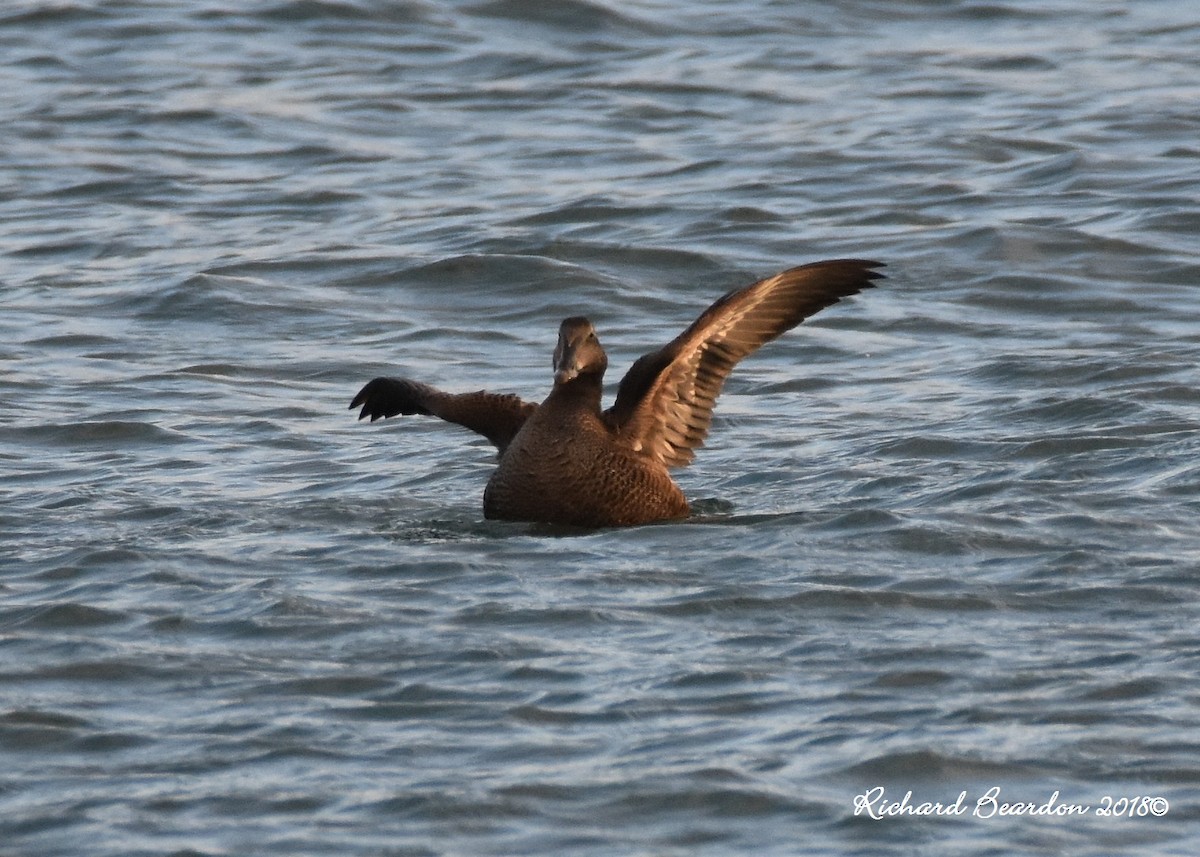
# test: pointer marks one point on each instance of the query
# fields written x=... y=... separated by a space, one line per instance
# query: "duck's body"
x=566 y=461
x=568 y=466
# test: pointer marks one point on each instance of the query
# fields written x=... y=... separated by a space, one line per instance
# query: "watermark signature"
x=877 y=804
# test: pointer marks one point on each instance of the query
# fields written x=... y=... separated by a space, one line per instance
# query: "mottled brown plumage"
x=566 y=461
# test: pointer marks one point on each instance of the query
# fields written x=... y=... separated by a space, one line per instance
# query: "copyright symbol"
x=1159 y=807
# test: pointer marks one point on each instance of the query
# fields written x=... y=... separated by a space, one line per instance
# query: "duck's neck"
x=583 y=392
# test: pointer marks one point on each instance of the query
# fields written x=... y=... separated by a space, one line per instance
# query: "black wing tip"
x=386 y=397
x=870 y=273
x=366 y=392
x=371 y=398
x=851 y=276
x=845 y=276
x=862 y=263
x=865 y=266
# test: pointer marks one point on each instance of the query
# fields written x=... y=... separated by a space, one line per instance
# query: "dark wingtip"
x=862 y=274
x=872 y=275
x=363 y=398
x=386 y=397
x=867 y=265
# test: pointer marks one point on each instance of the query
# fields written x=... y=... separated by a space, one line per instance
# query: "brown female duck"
x=566 y=461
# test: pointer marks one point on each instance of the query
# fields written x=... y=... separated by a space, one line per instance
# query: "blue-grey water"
x=947 y=533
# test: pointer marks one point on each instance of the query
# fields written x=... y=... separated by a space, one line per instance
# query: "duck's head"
x=578 y=351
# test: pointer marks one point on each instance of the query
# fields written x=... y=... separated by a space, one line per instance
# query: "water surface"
x=946 y=535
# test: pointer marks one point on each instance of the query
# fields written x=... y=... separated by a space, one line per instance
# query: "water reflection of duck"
x=565 y=461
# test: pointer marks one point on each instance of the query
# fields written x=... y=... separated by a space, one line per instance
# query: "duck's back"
x=565 y=466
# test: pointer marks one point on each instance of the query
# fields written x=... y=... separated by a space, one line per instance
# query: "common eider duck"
x=566 y=461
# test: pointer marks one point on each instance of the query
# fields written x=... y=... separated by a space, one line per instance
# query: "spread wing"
x=665 y=402
x=496 y=416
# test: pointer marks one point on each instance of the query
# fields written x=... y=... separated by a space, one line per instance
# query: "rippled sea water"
x=946 y=538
